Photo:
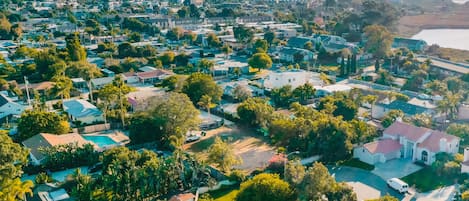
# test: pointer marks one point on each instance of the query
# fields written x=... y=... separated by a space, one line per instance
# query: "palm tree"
x=88 y=72
x=63 y=86
x=206 y=102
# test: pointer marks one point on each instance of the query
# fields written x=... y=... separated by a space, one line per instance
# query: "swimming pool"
x=101 y=141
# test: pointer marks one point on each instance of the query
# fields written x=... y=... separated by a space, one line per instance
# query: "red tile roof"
x=410 y=132
x=183 y=197
x=432 y=143
x=383 y=146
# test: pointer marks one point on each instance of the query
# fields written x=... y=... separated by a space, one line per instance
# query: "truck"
x=398 y=185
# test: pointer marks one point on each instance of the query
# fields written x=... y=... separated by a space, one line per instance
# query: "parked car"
x=192 y=138
x=398 y=185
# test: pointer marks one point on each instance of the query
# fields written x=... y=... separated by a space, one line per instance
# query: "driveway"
x=396 y=168
x=365 y=184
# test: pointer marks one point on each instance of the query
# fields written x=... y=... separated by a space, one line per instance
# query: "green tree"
x=460 y=130
x=213 y=40
x=261 y=46
x=260 y=61
x=63 y=86
x=87 y=71
x=385 y=198
x=384 y=77
x=75 y=51
x=33 y=122
x=167 y=58
x=165 y=118
x=391 y=117
x=205 y=66
x=269 y=36
x=198 y=84
x=114 y=99
x=282 y=97
x=12 y=158
x=243 y=34
x=222 y=154
x=344 y=106
x=226 y=49
x=255 y=112
x=379 y=41
x=173 y=83
x=316 y=183
x=135 y=37
x=206 y=102
x=265 y=187
x=175 y=34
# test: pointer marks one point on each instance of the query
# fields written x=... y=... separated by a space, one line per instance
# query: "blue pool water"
x=101 y=141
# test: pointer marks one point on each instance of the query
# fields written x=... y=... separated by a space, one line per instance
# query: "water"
x=101 y=141
x=460 y=1
x=450 y=38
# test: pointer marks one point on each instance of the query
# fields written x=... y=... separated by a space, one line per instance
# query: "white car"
x=398 y=185
x=192 y=138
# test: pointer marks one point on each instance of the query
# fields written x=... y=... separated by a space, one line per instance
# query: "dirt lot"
x=252 y=148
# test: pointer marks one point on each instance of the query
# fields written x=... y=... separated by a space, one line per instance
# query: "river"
x=450 y=38
x=460 y=1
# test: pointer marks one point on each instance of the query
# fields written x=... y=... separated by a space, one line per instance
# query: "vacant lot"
x=252 y=148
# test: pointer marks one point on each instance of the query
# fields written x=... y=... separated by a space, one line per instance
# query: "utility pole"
x=27 y=90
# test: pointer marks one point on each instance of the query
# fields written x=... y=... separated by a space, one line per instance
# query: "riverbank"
x=411 y=25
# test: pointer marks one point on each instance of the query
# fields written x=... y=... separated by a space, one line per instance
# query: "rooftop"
x=383 y=146
x=80 y=108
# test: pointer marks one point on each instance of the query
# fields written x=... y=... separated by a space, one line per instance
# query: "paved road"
x=366 y=184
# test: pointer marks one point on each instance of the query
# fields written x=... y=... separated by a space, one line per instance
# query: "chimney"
x=466 y=154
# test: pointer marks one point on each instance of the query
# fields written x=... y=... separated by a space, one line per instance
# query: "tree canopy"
x=222 y=154
x=33 y=122
x=265 y=187
x=260 y=61
x=165 y=119
x=378 y=40
x=199 y=84
x=12 y=158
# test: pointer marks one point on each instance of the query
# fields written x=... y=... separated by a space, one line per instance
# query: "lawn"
x=225 y=193
x=425 y=180
x=354 y=162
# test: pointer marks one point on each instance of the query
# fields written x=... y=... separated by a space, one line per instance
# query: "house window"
x=424 y=156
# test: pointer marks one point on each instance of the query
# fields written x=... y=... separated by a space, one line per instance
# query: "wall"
x=362 y=154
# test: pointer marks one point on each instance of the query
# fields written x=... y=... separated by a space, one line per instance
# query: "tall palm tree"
x=88 y=71
x=206 y=102
x=63 y=86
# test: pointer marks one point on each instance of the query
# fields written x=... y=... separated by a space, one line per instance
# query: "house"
x=99 y=83
x=295 y=55
x=402 y=140
x=82 y=111
x=183 y=197
x=414 y=45
x=445 y=67
x=228 y=87
x=152 y=77
x=295 y=78
x=299 y=42
x=9 y=108
x=382 y=108
x=44 y=140
x=322 y=91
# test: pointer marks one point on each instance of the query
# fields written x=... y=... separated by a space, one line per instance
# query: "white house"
x=330 y=89
x=8 y=107
x=416 y=143
x=294 y=78
x=83 y=111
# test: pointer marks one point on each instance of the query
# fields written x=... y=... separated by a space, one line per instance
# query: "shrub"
x=237 y=175
x=43 y=178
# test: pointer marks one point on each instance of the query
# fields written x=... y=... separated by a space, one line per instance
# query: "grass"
x=354 y=162
x=225 y=193
x=425 y=180
x=204 y=144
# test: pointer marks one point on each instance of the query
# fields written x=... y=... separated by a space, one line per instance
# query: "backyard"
x=252 y=148
x=225 y=193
